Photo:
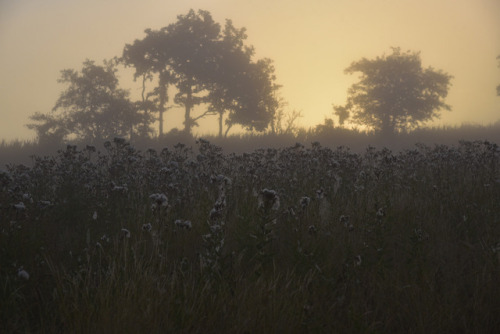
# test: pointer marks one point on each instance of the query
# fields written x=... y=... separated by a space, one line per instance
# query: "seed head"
x=23 y=274
x=125 y=232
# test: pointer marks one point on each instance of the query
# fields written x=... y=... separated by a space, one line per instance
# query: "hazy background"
x=311 y=43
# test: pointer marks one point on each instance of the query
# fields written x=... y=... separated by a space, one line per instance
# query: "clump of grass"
x=280 y=240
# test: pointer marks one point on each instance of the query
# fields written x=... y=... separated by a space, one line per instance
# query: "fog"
x=311 y=43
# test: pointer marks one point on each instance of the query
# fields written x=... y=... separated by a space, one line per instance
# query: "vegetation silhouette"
x=92 y=108
x=280 y=229
x=328 y=135
x=300 y=239
x=207 y=66
x=212 y=67
x=394 y=93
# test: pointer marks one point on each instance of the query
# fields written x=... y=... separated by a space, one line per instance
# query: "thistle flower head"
x=304 y=202
x=44 y=204
x=312 y=229
x=268 y=199
x=184 y=224
x=320 y=193
x=23 y=274
x=27 y=197
x=119 y=189
x=159 y=200
x=380 y=213
x=125 y=232
x=19 y=206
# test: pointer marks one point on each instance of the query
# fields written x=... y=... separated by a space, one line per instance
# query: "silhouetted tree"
x=285 y=121
x=148 y=58
x=328 y=125
x=242 y=89
x=49 y=128
x=92 y=107
x=342 y=113
x=206 y=66
x=395 y=93
x=250 y=99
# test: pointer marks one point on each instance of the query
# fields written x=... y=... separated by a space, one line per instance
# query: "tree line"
x=213 y=72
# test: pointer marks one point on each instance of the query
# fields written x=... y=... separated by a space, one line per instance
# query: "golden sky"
x=310 y=41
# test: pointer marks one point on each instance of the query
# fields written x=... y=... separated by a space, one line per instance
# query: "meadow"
x=290 y=240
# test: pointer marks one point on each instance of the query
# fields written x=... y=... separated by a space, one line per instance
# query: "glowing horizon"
x=311 y=43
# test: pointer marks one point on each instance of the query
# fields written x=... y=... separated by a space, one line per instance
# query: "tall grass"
x=296 y=239
x=20 y=152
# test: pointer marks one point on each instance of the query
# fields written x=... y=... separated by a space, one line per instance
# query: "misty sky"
x=311 y=43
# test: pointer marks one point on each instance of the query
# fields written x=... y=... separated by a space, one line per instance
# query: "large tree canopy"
x=207 y=65
x=92 y=107
x=395 y=93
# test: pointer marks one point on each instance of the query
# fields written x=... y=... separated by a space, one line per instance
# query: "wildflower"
x=27 y=197
x=304 y=202
x=380 y=213
x=358 y=188
x=5 y=178
x=269 y=199
x=125 y=232
x=119 y=189
x=312 y=229
x=496 y=248
x=44 y=204
x=216 y=228
x=20 y=206
x=344 y=219
x=219 y=206
x=201 y=157
x=220 y=179
x=214 y=214
x=186 y=224
x=347 y=224
x=173 y=165
x=420 y=234
x=159 y=200
x=23 y=274
x=316 y=145
x=320 y=193
x=223 y=181
x=147 y=227
x=164 y=170
x=90 y=148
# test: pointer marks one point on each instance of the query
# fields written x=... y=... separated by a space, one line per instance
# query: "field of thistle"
x=293 y=240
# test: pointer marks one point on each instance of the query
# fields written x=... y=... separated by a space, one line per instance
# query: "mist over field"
x=334 y=167
x=21 y=152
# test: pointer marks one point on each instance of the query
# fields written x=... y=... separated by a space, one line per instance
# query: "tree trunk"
x=221 y=115
x=229 y=126
x=187 y=114
x=163 y=100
